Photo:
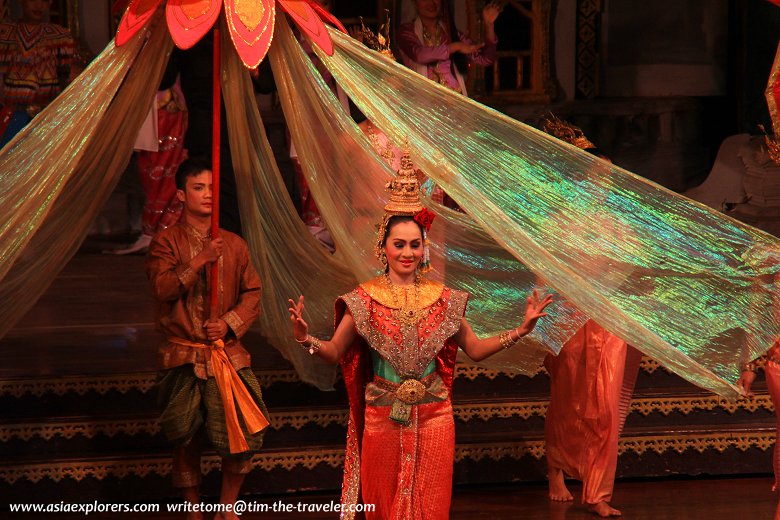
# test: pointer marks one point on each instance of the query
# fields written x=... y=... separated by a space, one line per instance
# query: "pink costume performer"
x=426 y=45
x=400 y=449
x=591 y=382
x=430 y=53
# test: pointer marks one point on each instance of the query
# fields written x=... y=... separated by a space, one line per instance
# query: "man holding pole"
x=207 y=387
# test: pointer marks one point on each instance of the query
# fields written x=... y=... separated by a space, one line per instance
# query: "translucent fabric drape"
x=688 y=286
x=289 y=259
x=348 y=178
x=58 y=172
x=683 y=283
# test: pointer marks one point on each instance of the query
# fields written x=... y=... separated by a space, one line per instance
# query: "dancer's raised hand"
x=533 y=311
x=299 y=326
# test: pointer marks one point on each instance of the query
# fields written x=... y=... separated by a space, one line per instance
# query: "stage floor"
x=705 y=499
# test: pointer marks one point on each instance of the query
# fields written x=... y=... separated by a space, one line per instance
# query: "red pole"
x=215 y=146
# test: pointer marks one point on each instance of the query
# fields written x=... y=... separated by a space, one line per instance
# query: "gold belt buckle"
x=411 y=391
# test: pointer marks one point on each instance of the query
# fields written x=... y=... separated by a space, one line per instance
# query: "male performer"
x=205 y=369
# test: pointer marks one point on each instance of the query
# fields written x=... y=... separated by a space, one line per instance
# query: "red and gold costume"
x=398 y=374
x=32 y=59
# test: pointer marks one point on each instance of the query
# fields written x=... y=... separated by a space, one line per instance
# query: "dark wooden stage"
x=719 y=499
x=78 y=424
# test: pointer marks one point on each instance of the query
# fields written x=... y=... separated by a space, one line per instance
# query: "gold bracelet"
x=505 y=339
x=314 y=345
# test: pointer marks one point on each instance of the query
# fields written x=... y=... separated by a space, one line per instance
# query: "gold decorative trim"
x=514 y=450
x=70 y=429
x=642 y=405
x=150 y=426
x=298 y=420
x=144 y=382
x=120 y=468
x=307 y=459
x=322 y=418
x=77 y=384
x=471 y=372
x=505 y=410
x=78 y=471
x=686 y=405
x=720 y=441
x=651 y=365
x=122 y=383
x=680 y=443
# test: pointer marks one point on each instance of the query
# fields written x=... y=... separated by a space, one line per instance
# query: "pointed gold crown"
x=772 y=146
x=566 y=132
x=404 y=189
x=380 y=41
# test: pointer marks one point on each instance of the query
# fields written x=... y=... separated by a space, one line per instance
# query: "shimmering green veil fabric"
x=348 y=178
x=289 y=259
x=683 y=283
x=58 y=171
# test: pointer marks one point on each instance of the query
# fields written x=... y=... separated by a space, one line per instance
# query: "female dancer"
x=396 y=339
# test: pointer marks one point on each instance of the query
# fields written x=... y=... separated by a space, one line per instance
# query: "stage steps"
x=69 y=437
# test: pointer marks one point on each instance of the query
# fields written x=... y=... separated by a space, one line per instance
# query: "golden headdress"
x=404 y=189
x=405 y=201
x=380 y=41
x=566 y=132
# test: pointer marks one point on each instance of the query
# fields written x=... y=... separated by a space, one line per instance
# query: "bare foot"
x=558 y=490
x=604 y=510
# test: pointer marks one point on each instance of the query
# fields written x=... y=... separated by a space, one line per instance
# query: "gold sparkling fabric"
x=348 y=178
x=58 y=171
x=685 y=284
x=289 y=259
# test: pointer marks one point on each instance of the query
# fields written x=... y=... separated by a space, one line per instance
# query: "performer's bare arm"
x=329 y=351
x=479 y=349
